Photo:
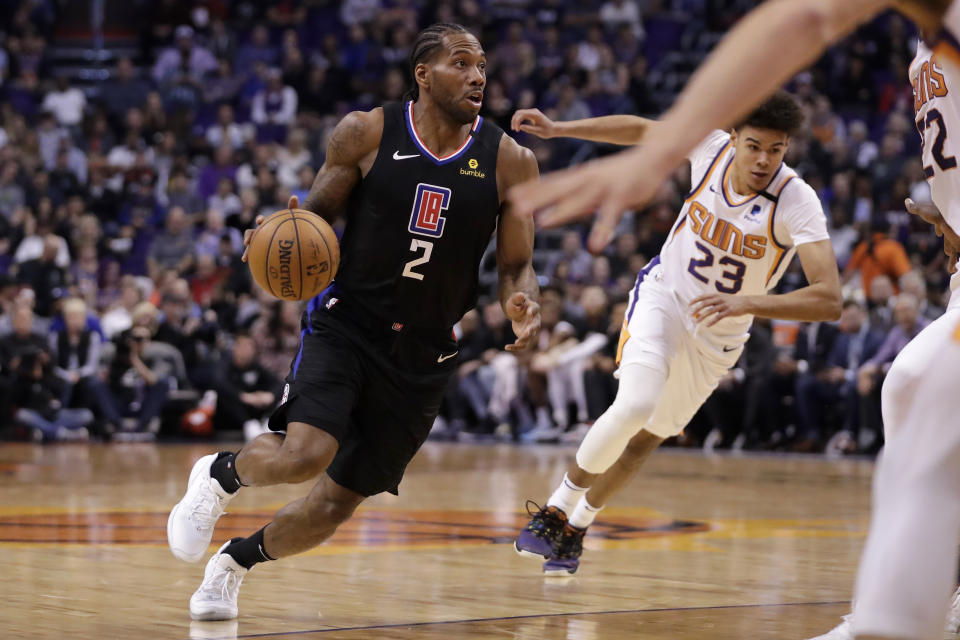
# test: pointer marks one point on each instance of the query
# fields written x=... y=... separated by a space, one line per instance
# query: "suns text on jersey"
x=725 y=235
x=928 y=84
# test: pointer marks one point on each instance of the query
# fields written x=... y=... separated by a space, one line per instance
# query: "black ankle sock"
x=224 y=471
x=248 y=551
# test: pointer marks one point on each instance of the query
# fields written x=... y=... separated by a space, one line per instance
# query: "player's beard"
x=454 y=106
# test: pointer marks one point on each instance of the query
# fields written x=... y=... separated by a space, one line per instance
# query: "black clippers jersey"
x=417 y=225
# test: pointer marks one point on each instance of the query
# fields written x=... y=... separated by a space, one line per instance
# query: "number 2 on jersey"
x=944 y=162
x=415 y=245
x=735 y=277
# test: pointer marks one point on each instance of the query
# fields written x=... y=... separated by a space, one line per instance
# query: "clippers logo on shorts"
x=286 y=394
x=430 y=202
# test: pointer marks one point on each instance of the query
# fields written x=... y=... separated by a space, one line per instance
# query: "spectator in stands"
x=37 y=394
x=135 y=390
x=75 y=353
x=174 y=248
x=878 y=254
x=909 y=323
x=833 y=387
x=225 y=200
x=274 y=108
x=578 y=260
x=914 y=284
x=180 y=194
x=292 y=157
x=185 y=56
x=66 y=103
x=12 y=195
x=225 y=86
x=246 y=391
x=215 y=230
x=880 y=303
x=814 y=343
x=22 y=338
x=44 y=276
x=192 y=332
x=258 y=49
x=221 y=167
x=617 y=13
x=125 y=91
x=226 y=130
x=119 y=317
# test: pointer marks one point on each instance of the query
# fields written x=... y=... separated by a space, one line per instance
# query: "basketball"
x=294 y=254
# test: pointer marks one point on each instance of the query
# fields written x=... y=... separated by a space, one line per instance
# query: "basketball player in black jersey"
x=422 y=186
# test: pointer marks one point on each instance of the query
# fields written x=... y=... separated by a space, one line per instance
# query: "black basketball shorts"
x=375 y=389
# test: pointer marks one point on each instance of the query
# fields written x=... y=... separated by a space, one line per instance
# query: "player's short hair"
x=781 y=112
x=426 y=44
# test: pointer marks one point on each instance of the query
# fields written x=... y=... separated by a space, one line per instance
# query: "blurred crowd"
x=127 y=314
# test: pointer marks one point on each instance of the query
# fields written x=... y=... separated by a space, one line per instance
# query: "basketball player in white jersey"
x=905 y=572
x=895 y=595
x=690 y=311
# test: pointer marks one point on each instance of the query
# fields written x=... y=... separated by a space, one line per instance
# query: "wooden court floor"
x=698 y=547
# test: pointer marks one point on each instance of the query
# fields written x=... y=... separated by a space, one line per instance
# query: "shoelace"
x=225 y=589
x=206 y=510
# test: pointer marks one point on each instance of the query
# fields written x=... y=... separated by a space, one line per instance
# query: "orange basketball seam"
x=334 y=264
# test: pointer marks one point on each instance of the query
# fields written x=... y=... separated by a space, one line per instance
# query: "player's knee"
x=633 y=409
x=328 y=511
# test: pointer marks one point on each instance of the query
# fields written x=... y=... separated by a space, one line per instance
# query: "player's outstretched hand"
x=535 y=122
x=292 y=203
x=524 y=313
x=926 y=211
x=714 y=307
x=929 y=213
x=606 y=187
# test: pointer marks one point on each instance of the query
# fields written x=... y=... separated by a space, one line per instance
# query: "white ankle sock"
x=583 y=514
x=566 y=496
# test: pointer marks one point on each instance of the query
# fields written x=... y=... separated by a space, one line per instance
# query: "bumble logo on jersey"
x=928 y=83
x=725 y=235
x=472 y=171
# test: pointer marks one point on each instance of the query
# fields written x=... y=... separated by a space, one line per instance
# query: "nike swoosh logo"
x=397 y=156
x=712 y=189
x=442 y=357
x=729 y=349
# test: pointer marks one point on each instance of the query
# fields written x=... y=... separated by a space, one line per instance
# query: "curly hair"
x=426 y=44
x=780 y=112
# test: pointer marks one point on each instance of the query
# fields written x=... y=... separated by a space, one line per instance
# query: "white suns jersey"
x=937 y=116
x=728 y=243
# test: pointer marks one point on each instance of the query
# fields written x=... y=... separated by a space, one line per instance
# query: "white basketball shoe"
x=191 y=521
x=216 y=599
x=844 y=630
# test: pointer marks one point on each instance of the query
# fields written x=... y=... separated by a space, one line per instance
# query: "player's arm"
x=616 y=129
x=354 y=139
x=518 y=288
x=820 y=300
x=353 y=142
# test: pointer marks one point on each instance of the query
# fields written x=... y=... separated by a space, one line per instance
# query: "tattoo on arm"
x=340 y=171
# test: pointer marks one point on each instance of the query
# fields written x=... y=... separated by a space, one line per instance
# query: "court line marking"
x=532 y=616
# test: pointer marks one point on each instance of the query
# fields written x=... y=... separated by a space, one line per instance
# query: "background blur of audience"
x=133 y=154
